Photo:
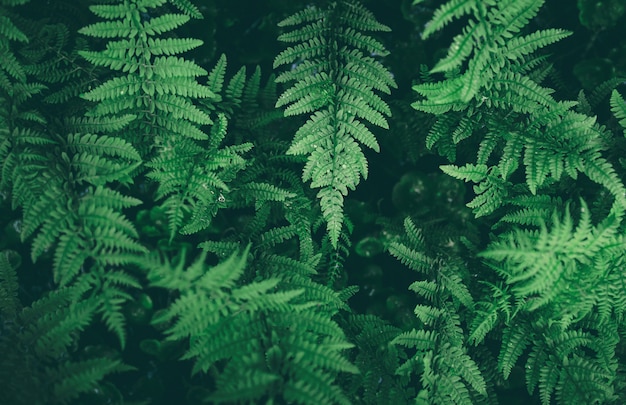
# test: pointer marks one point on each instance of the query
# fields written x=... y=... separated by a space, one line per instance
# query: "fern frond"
x=172 y=46
x=109 y=29
x=518 y=47
x=575 y=385
x=242 y=384
x=9 y=303
x=446 y=13
x=618 y=107
x=74 y=378
x=187 y=7
x=515 y=339
x=102 y=145
x=421 y=340
x=336 y=88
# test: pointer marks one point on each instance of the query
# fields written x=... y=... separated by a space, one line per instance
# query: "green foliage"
x=541 y=134
x=155 y=85
x=449 y=373
x=335 y=78
x=546 y=266
x=39 y=344
x=618 y=106
x=121 y=155
x=286 y=346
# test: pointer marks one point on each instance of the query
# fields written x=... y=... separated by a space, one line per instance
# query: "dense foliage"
x=320 y=202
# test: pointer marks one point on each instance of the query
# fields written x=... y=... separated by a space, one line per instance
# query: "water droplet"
x=368 y=247
x=17 y=226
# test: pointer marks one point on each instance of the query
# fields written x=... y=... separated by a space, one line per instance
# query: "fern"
x=546 y=136
x=166 y=84
x=334 y=80
x=193 y=180
x=38 y=342
x=378 y=360
x=618 y=107
x=235 y=324
x=449 y=373
x=119 y=156
x=542 y=266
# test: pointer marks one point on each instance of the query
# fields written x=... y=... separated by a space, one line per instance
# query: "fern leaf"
x=331 y=202
x=515 y=339
x=102 y=145
x=9 y=303
x=519 y=47
x=9 y=31
x=549 y=378
x=411 y=258
x=246 y=384
x=447 y=12
x=310 y=386
x=187 y=7
x=69 y=256
x=469 y=172
x=110 y=11
x=164 y=23
x=460 y=49
x=74 y=378
x=421 y=340
x=172 y=46
x=618 y=107
x=215 y=80
x=108 y=29
x=483 y=323
x=335 y=88
x=575 y=385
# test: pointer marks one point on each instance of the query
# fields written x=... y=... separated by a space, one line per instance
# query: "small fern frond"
x=515 y=339
x=73 y=378
x=618 y=107
x=9 y=303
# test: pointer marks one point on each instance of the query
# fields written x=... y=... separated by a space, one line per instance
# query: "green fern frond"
x=56 y=222
x=242 y=384
x=74 y=378
x=228 y=322
x=412 y=254
x=575 y=386
x=154 y=85
x=187 y=7
x=422 y=340
x=99 y=124
x=448 y=12
x=335 y=85
x=618 y=107
x=97 y=170
x=515 y=339
x=9 y=303
x=438 y=351
x=519 y=47
x=411 y=258
x=485 y=320
x=51 y=334
x=491 y=191
x=192 y=179
x=9 y=31
x=102 y=145
x=11 y=66
x=265 y=192
x=540 y=265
